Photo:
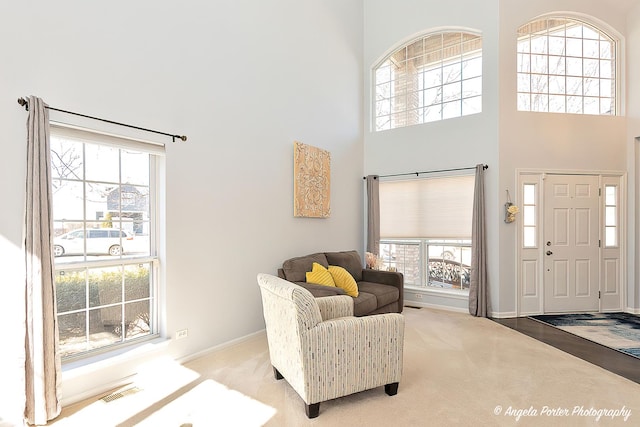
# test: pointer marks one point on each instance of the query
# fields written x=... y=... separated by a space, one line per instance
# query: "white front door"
x=571 y=243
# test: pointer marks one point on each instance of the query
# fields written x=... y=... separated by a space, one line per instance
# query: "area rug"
x=620 y=331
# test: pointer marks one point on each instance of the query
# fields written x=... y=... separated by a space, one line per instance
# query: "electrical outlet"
x=418 y=296
x=183 y=333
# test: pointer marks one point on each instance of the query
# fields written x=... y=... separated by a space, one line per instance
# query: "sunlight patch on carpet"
x=211 y=404
x=156 y=380
x=165 y=393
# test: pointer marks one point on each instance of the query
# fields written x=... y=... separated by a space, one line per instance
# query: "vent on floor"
x=118 y=394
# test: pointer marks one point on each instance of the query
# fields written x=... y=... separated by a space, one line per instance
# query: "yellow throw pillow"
x=320 y=276
x=344 y=280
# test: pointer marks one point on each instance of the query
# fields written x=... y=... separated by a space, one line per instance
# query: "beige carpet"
x=458 y=370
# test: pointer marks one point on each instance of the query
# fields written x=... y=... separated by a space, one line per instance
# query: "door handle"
x=549 y=253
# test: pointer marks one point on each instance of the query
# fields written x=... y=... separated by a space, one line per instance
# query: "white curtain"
x=42 y=359
x=478 y=286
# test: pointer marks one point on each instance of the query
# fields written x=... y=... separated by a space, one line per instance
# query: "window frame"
x=452 y=238
x=424 y=273
x=530 y=215
x=605 y=32
x=419 y=91
x=611 y=216
x=155 y=151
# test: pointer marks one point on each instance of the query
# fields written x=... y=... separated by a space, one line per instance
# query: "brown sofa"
x=379 y=291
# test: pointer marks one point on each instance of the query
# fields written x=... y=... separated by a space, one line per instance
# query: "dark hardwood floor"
x=612 y=360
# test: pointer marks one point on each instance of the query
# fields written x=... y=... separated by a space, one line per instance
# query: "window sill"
x=449 y=293
x=110 y=357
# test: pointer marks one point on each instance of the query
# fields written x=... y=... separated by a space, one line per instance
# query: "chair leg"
x=312 y=410
x=391 y=389
x=277 y=374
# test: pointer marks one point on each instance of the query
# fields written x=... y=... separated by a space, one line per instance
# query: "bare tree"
x=65 y=163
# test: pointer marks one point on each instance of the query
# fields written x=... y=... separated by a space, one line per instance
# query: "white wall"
x=453 y=143
x=549 y=141
x=242 y=79
x=500 y=136
x=633 y=151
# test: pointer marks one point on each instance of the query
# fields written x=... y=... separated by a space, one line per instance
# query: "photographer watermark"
x=559 y=411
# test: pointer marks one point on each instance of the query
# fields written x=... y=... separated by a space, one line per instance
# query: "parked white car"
x=110 y=241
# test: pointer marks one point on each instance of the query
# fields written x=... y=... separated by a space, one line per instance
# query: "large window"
x=105 y=239
x=435 y=77
x=566 y=66
x=429 y=263
x=425 y=230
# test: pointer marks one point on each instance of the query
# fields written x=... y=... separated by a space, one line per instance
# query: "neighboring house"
x=130 y=204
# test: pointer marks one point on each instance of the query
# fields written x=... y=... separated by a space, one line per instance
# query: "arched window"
x=434 y=77
x=566 y=66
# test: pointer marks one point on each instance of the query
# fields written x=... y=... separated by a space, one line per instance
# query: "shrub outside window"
x=434 y=77
x=566 y=66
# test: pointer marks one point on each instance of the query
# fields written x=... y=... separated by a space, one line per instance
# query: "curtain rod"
x=434 y=171
x=25 y=104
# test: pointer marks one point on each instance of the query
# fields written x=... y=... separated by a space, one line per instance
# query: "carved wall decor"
x=311 y=181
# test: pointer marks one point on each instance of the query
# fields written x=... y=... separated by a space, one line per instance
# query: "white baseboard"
x=504 y=315
x=497 y=315
x=632 y=310
x=219 y=347
x=96 y=391
x=436 y=306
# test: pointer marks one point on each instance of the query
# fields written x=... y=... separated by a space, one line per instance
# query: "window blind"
x=435 y=207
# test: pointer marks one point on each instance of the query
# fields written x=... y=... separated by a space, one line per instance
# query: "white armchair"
x=322 y=350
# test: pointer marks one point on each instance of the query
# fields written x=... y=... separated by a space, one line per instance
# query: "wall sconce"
x=510 y=210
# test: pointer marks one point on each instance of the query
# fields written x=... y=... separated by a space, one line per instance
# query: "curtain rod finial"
x=23 y=102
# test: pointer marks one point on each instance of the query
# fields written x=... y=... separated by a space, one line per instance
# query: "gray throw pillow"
x=349 y=260
x=295 y=269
